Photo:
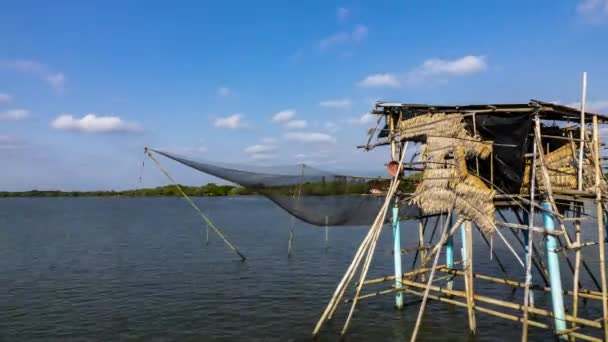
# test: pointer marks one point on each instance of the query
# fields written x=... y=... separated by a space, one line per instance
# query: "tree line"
x=214 y=190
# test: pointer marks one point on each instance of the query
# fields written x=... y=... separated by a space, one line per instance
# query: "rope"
x=202 y=215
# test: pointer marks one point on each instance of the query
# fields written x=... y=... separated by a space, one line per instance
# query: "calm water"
x=138 y=269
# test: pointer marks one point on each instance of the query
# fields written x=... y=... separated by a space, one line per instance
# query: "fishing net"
x=314 y=196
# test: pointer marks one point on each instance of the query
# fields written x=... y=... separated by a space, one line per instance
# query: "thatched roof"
x=546 y=110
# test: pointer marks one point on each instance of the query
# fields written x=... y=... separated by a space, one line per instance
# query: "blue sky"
x=84 y=86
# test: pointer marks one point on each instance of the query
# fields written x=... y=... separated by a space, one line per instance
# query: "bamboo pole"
x=290 y=243
x=500 y=314
x=600 y=226
x=207 y=235
x=493 y=253
x=378 y=229
x=199 y=211
x=405 y=275
x=480 y=309
x=538 y=262
x=444 y=238
x=423 y=259
x=346 y=279
x=583 y=294
x=501 y=303
x=555 y=213
x=582 y=137
x=577 y=266
x=524 y=329
x=326 y=232
x=421 y=229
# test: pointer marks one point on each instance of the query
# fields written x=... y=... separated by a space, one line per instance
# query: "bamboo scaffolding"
x=405 y=275
x=538 y=262
x=501 y=303
x=582 y=293
x=564 y=325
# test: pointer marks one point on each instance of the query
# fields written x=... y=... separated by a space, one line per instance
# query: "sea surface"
x=139 y=269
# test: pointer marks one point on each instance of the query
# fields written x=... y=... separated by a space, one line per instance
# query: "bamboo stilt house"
x=476 y=162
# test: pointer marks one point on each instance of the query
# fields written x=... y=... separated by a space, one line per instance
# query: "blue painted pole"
x=397 y=255
x=526 y=234
x=449 y=259
x=555 y=280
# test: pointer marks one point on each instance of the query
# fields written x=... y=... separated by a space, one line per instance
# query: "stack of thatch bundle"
x=447 y=184
x=560 y=165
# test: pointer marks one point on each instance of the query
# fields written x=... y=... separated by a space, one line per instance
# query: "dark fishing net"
x=312 y=195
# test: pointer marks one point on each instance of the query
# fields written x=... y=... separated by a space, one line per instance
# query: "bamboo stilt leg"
x=445 y=235
x=600 y=226
x=350 y=272
x=577 y=265
x=290 y=243
x=421 y=229
x=524 y=333
x=377 y=228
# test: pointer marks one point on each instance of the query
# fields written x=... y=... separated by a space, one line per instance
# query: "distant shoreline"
x=214 y=190
x=209 y=190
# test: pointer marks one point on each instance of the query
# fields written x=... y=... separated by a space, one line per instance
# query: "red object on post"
x=393 y=166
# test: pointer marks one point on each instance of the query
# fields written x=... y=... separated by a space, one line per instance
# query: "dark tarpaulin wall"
x=510 y=134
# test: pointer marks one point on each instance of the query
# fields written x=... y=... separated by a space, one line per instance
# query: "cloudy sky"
x=84 y=86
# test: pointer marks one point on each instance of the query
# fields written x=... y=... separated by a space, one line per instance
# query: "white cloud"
x=5 y=98
x=431 y=71
x=593 y=10
x=284 y=116
x=55 y=80
x=232 y=121
x=14 y=115
x=343 y=14
x=91 y=123
x=380 y=80
x=336 y=103
x=225 y=92
x=437 y=71
x=260 y=148
x=296 y=124
x=599 y=107
x=358 y=34
x=461 y=66
x=310 y=137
